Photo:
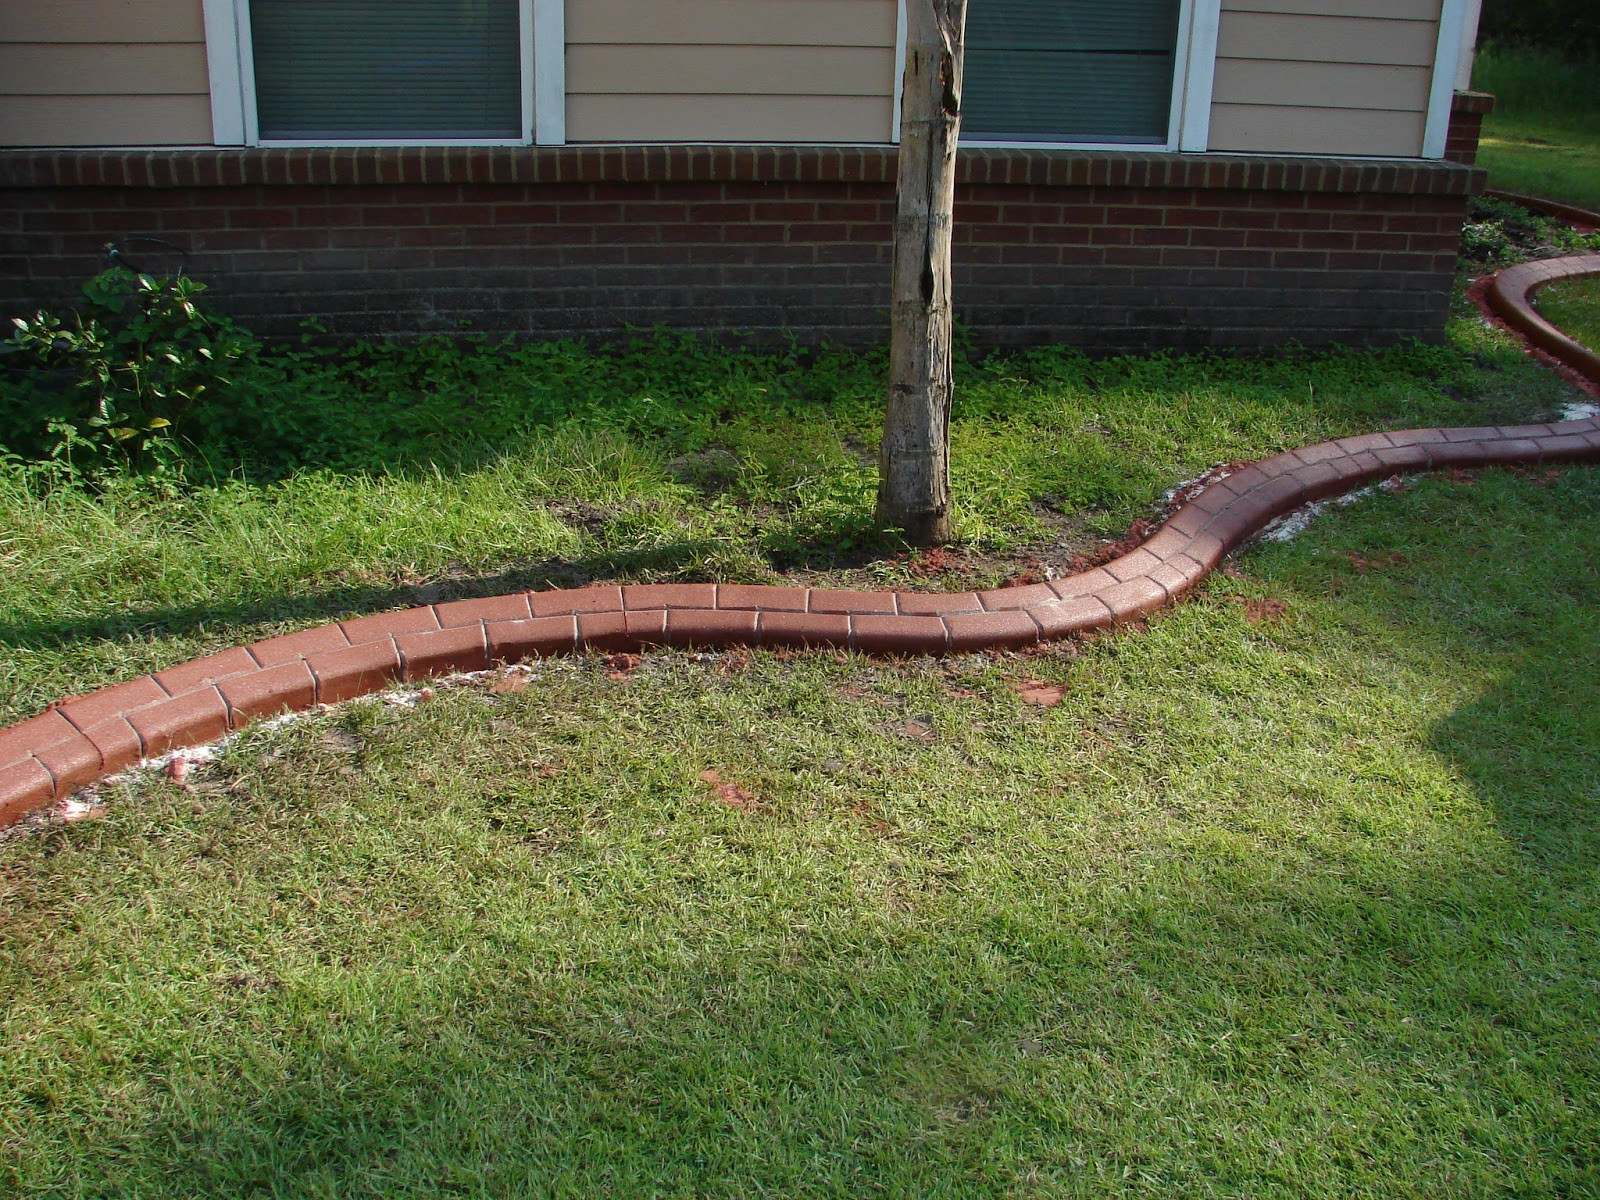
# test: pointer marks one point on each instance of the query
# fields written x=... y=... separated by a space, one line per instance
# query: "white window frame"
x=1451 y=48
x=230 y=61
x=1189 y=113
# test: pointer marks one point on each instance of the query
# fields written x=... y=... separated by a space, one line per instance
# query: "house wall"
x=1109 y=251
x=730 y=71
x=103 y=73
x=1290 y=79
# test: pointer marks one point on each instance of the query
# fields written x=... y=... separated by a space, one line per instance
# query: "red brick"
x=47 y=729
x=355 y=671
x=768 y=599
x=84 y=711
x=647 y=627
x=880 y=634
x=1207 y=549
x=1410 y=458
x=71 y=764
x=938 y=603
x=1566 y=448
x=1134 y=598
x=193 y=719
x=1070 y=616
x=606 y=631
x=1084 y=583
x=575 y=600
x=513 y=641
x=1319 y=480
x=291 y=646
x=1177 y=576
x=1364 y=442
x=443 y=651
x=117 y=742
x=380 y=626
x=824 y=601
x=1278 y=496
x=1240 y=483
x=1132 y=565
x=24 y=786
x=803 y=629
x=669 y=595
x=1167 y=541
x=492 y=608
x=999 y=599
x=181 y=678
x=288 y=687
x=710 y=627
x=986 y=630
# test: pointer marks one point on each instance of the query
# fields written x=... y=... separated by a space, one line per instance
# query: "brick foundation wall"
x=1467 y=111
x=1112 y=252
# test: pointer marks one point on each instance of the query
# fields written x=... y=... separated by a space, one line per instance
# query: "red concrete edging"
x=82 y=738
x=1510 y=296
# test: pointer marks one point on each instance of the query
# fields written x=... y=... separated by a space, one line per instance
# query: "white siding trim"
x=247 y=72
x=1446 y=61
x=899 y=69
x=1199 y=67
x=222 y=66
x=1469 y=45
x=544 y=57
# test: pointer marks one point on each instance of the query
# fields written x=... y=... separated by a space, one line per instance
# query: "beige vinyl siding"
x=730 y=70
x=103 y=73
x=1346 y=77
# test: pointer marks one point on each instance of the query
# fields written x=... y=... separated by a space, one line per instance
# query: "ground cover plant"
x=1543 y=137
x=1291 y=893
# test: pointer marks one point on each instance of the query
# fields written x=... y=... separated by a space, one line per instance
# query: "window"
x=408 y=71
x=1084 y=71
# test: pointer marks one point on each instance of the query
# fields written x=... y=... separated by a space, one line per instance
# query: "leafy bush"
x=137 y=358
x=1498 y=232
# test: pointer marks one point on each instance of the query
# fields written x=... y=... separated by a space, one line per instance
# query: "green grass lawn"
x=1293 y=894
x=1543 y=138
x=1573 y=306
x=1299 y=907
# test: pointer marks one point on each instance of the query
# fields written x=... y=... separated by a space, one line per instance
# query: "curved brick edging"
x=80 y=739
x=1510 y=295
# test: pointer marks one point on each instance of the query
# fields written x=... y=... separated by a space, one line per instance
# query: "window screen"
x=1069 y=70
x=380 y=69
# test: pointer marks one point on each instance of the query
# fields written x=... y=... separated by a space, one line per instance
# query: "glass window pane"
x=1069 y=70
x=404 y=69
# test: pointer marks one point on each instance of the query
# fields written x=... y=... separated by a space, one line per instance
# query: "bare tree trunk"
x=914 y=458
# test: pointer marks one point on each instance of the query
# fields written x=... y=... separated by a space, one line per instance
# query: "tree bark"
x=914 y=457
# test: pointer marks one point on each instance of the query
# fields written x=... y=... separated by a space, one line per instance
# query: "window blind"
x=1069 y=70
x=382 y=69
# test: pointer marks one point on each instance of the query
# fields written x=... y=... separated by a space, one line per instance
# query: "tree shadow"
x=345 y=601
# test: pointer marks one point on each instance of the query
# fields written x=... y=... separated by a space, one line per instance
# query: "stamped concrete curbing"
x=79 y=739
x=1510 y=296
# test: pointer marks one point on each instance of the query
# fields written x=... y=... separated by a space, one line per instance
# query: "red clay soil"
x=78 y=740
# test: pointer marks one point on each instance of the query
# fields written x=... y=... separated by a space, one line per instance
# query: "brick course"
x=1113 y=252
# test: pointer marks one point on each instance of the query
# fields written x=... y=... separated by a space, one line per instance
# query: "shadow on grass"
x=343 y=602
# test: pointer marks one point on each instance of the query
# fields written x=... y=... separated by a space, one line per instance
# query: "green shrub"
x=112 y=384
